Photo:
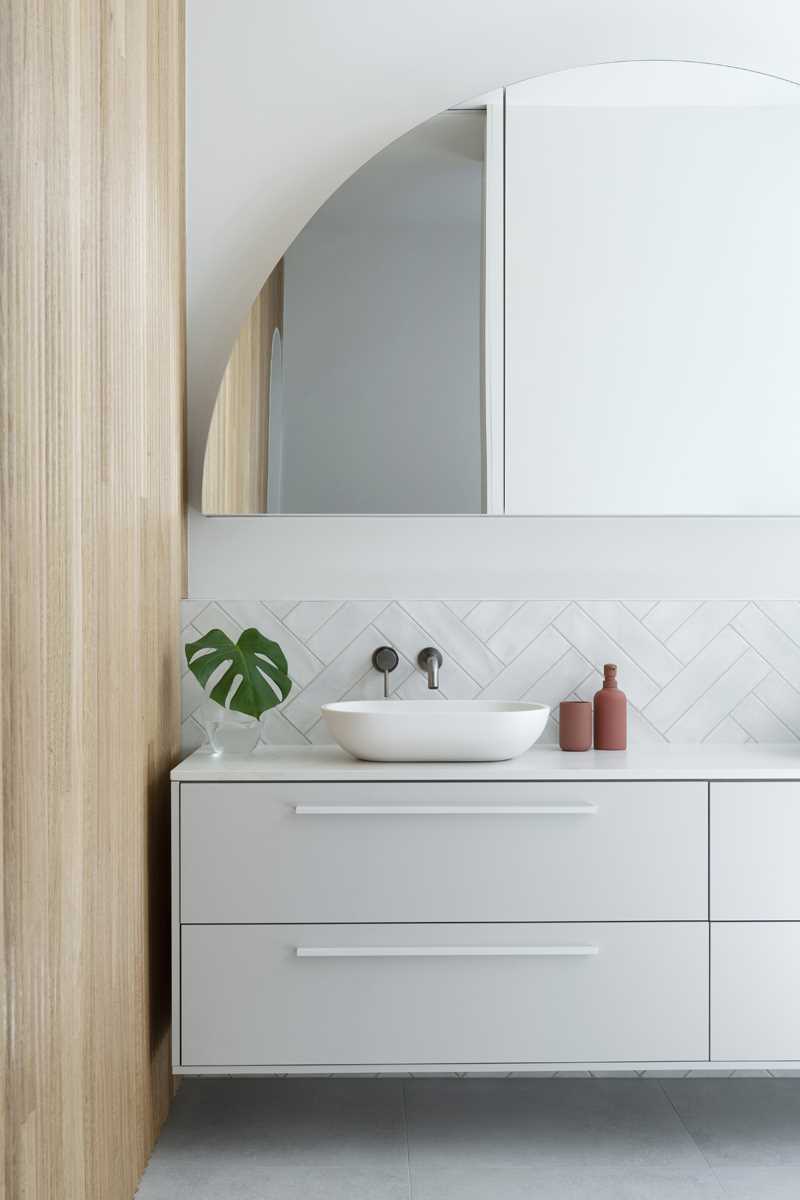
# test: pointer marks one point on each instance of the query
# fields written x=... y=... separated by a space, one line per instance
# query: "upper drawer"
x=755 y=849
x=443 y=852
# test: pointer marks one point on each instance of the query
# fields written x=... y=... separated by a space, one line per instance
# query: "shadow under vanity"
x=552 y=912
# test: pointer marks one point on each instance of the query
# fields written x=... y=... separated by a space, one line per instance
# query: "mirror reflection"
x=356 y=386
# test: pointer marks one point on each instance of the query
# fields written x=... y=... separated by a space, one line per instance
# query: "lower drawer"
x=270 y=995
x=755 y=985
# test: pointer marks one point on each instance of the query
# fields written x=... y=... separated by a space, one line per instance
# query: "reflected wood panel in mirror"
x=235 y=475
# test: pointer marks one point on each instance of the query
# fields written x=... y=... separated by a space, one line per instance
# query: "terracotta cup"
x=575 y=725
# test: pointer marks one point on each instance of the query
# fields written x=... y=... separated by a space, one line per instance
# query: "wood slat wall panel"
x=235 y=468
x=91 y=572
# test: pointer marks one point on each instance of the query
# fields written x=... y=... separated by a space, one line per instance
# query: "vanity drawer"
x=327 y=995
x=755 y=851
x=755 y=985
x=443 y=852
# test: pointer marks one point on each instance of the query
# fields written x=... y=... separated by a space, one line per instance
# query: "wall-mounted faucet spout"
x=430 y=659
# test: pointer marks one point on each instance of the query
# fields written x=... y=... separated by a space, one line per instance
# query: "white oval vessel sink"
x=435 y=730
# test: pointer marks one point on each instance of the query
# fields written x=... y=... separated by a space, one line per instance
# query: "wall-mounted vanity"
x=570 y=297
x=577 y=912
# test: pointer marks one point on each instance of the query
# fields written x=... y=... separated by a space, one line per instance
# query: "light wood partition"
x=91 y=485
x=235 y=471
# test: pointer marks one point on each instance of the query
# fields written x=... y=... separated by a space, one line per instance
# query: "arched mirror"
x=574 y=296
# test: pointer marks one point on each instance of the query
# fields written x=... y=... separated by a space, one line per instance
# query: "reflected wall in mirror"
x=577 y=296
x=357 y=383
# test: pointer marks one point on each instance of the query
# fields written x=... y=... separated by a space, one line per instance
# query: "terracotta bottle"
x=610 y=713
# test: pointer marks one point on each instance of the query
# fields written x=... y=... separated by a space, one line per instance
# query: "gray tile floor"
x=479 y=1139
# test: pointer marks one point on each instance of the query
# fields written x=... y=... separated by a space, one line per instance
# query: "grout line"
x=713 y=684
x=552 y=667
x=657 y=734
x=653 y=606
x=369 y=625
x=660 y=642
x=745 y=731
x=570 y=644
x=618 y=645
x=728 y=625
x=772 y=713
x=430 y=637
x=792 y=736
x=772 y=667
x=289 y=720
x=305 y=640
x=470 y=610
x=282 y=619
x=483 y=643
x=778 y=670
x=408 y=1140
x=755 y=692
x=727 y=717
x=683 y=1125
x=772 y=621
x=664 y=641
x=548 y=625
x=519 y=604
x=328 y=620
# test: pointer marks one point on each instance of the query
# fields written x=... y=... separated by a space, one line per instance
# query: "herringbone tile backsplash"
x=693 y=671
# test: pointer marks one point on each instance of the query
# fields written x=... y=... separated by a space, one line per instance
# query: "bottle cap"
x=610 y=675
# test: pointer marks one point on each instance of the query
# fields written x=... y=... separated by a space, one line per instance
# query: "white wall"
x=238 y=558
x=285 y=100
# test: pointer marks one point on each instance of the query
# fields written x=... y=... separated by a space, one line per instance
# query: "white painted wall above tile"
x=717 y=670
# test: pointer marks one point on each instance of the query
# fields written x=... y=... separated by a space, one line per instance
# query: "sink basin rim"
x=385 y=708
x=435 y=730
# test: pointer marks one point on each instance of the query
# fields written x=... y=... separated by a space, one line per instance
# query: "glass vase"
x=228 y=732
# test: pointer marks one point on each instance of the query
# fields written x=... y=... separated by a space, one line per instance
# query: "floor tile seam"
x=689 y=1133
x=723 y=1190
x=605 y=1173
x=408 y=1139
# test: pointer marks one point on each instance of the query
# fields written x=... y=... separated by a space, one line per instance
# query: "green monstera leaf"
x=253 y=660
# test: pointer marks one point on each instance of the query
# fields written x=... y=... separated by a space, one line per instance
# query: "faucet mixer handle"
x=430 y=659
x=385 y=659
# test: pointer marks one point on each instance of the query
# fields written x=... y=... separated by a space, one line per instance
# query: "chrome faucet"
x=430 y=659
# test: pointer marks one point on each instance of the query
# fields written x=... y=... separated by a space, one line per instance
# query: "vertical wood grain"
x=91 y=571
x=235 y=470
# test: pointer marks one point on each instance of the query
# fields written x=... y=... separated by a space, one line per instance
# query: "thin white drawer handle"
x=445 y=951
x=442 y=810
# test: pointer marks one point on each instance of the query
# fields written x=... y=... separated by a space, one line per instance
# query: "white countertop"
x=296 y=764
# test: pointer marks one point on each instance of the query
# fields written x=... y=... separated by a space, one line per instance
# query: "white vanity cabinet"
x=755 y=920
x=555 y=911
